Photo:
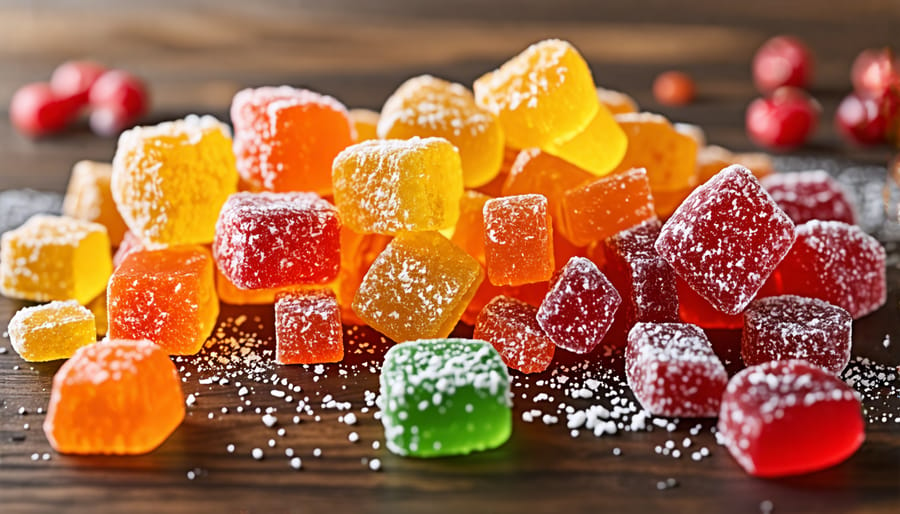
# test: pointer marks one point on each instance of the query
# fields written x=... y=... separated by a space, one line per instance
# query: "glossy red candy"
x=694 y=309
x=308 y=327
x=810 y=195
x=511 y=326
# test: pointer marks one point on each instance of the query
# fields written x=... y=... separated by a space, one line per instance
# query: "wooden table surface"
x=196 y=54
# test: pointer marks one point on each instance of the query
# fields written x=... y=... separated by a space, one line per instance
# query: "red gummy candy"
x=308 y=327
x=511 y=326
x=809 y=195
x=694 y=309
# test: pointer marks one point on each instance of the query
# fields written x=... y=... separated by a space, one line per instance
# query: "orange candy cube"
x=469 y=231
x=669 y=156
x=365 y=124
x=308 y=327
x=518 y=240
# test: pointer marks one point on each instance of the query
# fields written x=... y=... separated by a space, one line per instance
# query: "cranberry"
x=875 y=71
x=674 y=88
x=36 y=110
x=865 y=119
x=782 y=61
x=75 y=78
x=784 y=120
x=120 y=90
x=109 y=121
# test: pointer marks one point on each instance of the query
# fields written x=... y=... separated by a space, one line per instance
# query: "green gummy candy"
x=444 y=397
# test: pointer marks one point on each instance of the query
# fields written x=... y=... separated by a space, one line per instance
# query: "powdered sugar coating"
x=511 y=326
x=51 y=331
x=518 y=240
x=308 y=327
x=810 y=195
x=726 y=239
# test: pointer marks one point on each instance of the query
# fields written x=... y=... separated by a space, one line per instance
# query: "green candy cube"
x=444 y=397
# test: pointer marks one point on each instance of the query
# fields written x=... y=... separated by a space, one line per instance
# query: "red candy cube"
x=511 y=326
x=793 y=327
x=308 y=327
x=673 y=371
x=789 y=417
x=270 y=240
x=810 y=195
x=726 y=239
x=580 y=306
x=518 y=240
x=694 y=309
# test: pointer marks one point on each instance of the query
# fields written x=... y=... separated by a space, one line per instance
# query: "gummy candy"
x=18 y=205
x=616 y=101
x=768 y=411
x=130 y=244
x=444 y=397
x=711 y=159
x=469 y=231
x=653 y=144
x=114 y=397
x=598 y=148
x=308 y=327
x=89 y=197
x=51 y=331
x=358 y=252
x=511 y=326
x=365 y=124
x=518 y=240
x=97 y=306
x=693 y=308
x=234 y=295
x=810 y=195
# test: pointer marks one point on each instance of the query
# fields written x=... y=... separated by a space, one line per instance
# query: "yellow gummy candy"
x=89 y=197
x=598 y=148
x=51 y=331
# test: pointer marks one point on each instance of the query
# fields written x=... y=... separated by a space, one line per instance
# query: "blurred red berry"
x=784 y=120
x=866 y=119
x=109 y=121
x=35 y=110
x=782 y=61
x=875 y=71
x=75 y=78
x=674 y=88
x=121 y=90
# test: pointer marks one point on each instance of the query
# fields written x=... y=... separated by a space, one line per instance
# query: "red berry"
x=121 y=90
x=674 y=88
x=862 y=119
x=36 y=111
x=875 y=71
x=109 y=121
x=784 y=120
x=75 y=78
x=782 y=61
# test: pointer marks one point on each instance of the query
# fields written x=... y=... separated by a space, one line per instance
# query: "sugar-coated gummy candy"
x=234 y=295
x=616 y=101
x=116 y=397
x=518 y=240
x=308 y=327
x=365 y=124
x=444 y=397
x=427 y=106
x=358 y=252
x=165 y=296
x=418 y=287
x=511 y=326
x=393 y=186
x=673 y=371
x=532 y=294
x=653 y=144
x=270 y=240
x=712 y=158
x=286 y=138
x=97 y=306
x=169 y=181
x=51 y=331
x=794 y=327
x=695 y=309
x=543 y=95
x=837 y=263
x=598 y=148
x=726 y=239
x=810 y=195
x=130 y=244
x=55 y=258
x=469 y=231
x=18 y=205
x=789 y=417
x=579 y=307
x=696 y=133
x=89 y=197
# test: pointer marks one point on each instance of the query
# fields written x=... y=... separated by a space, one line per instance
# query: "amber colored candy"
x=616 y=101
x=89 y=197
x=165 y=296
x=285 y=138
x=543 y=95
x=365 y=124
x=116 y=398
x=97 y=306
x=51 y=331
x=653 y=144
x=308 y=327
x=358 y=252
x=598 y=148
x=695 y=132
x=711 y=159
x=469 y=231
x=518 y=240
x=234 y=295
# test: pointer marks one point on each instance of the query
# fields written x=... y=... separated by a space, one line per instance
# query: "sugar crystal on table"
x=308 y=327
x=165 y=296
x=269 y=240
x=55 y=258
x=579 y=307
x=810 y=195
x=444 y=397
x=89 y=197
x=285 y=139
x=169 y=181
x=726 y=239
x=518 y=240
x=418 y=287
x=51 y=331
x=673 y=371
x=794 y=327
x=114 y=397
x=393 y=186
x=511 y=326
x=789 y=417
x=18 y=205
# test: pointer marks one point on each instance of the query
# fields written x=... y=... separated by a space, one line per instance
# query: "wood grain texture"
x=196 y=54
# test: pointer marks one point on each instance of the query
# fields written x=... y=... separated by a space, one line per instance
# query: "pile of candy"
x=531 y=208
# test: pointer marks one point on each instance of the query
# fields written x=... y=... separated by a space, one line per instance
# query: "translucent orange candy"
x=358 y=252
x=616 y=101
x=518 y=240
x=469 y=231
x=669 y=156
x=114 y=397
x=712 y=159
x=598 y=148
x=365 y=124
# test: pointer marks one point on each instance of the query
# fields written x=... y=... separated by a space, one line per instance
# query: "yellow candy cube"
x=365 y=124
x=89 y=197
x=55 y=258
x=51 y=331
x=598 y=148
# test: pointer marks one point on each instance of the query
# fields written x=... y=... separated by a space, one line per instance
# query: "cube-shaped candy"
x=469 y=231
x=726 y=239
x=89 y=197
x=711 y=159
x=285 y=138
x=418 y=287
x=165 y=296
x=308 y=327
x=518 y=240
x=114 y=397
x=793 y=327
x=444 y=397
x=695 y=309
x=616 y=101
x=545 y=94
x=673 y=371
x=130 y=244
x=600 y=209
x=511 y=326
x=810 y=195
x=169 y=181
x=837 y=263
x=653 y=144
x=270 y=240
x=234 y=295
x=365 y=124
x=532 y=294
x=599 y=148
x=55 y=258
x=580 y=306
x=358 y=252
x=392 y=186
x=51 y=331
x=430 y=107
x=97 y=306
x=18 y=205
x=789 y=417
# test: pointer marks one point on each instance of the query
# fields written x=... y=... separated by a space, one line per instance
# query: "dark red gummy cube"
x=810 y=195
x=793 y=327
x=308 y=327
x=269 y=240
x=725 y=239
x=511 y=326
x=837 y=263
x=789 y=417
x=580 y=306
x=673 y=371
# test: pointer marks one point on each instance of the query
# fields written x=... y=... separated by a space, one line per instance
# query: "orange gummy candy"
x=616 y=101
x=365 y=124
x=518 y=240
x=669 y=156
